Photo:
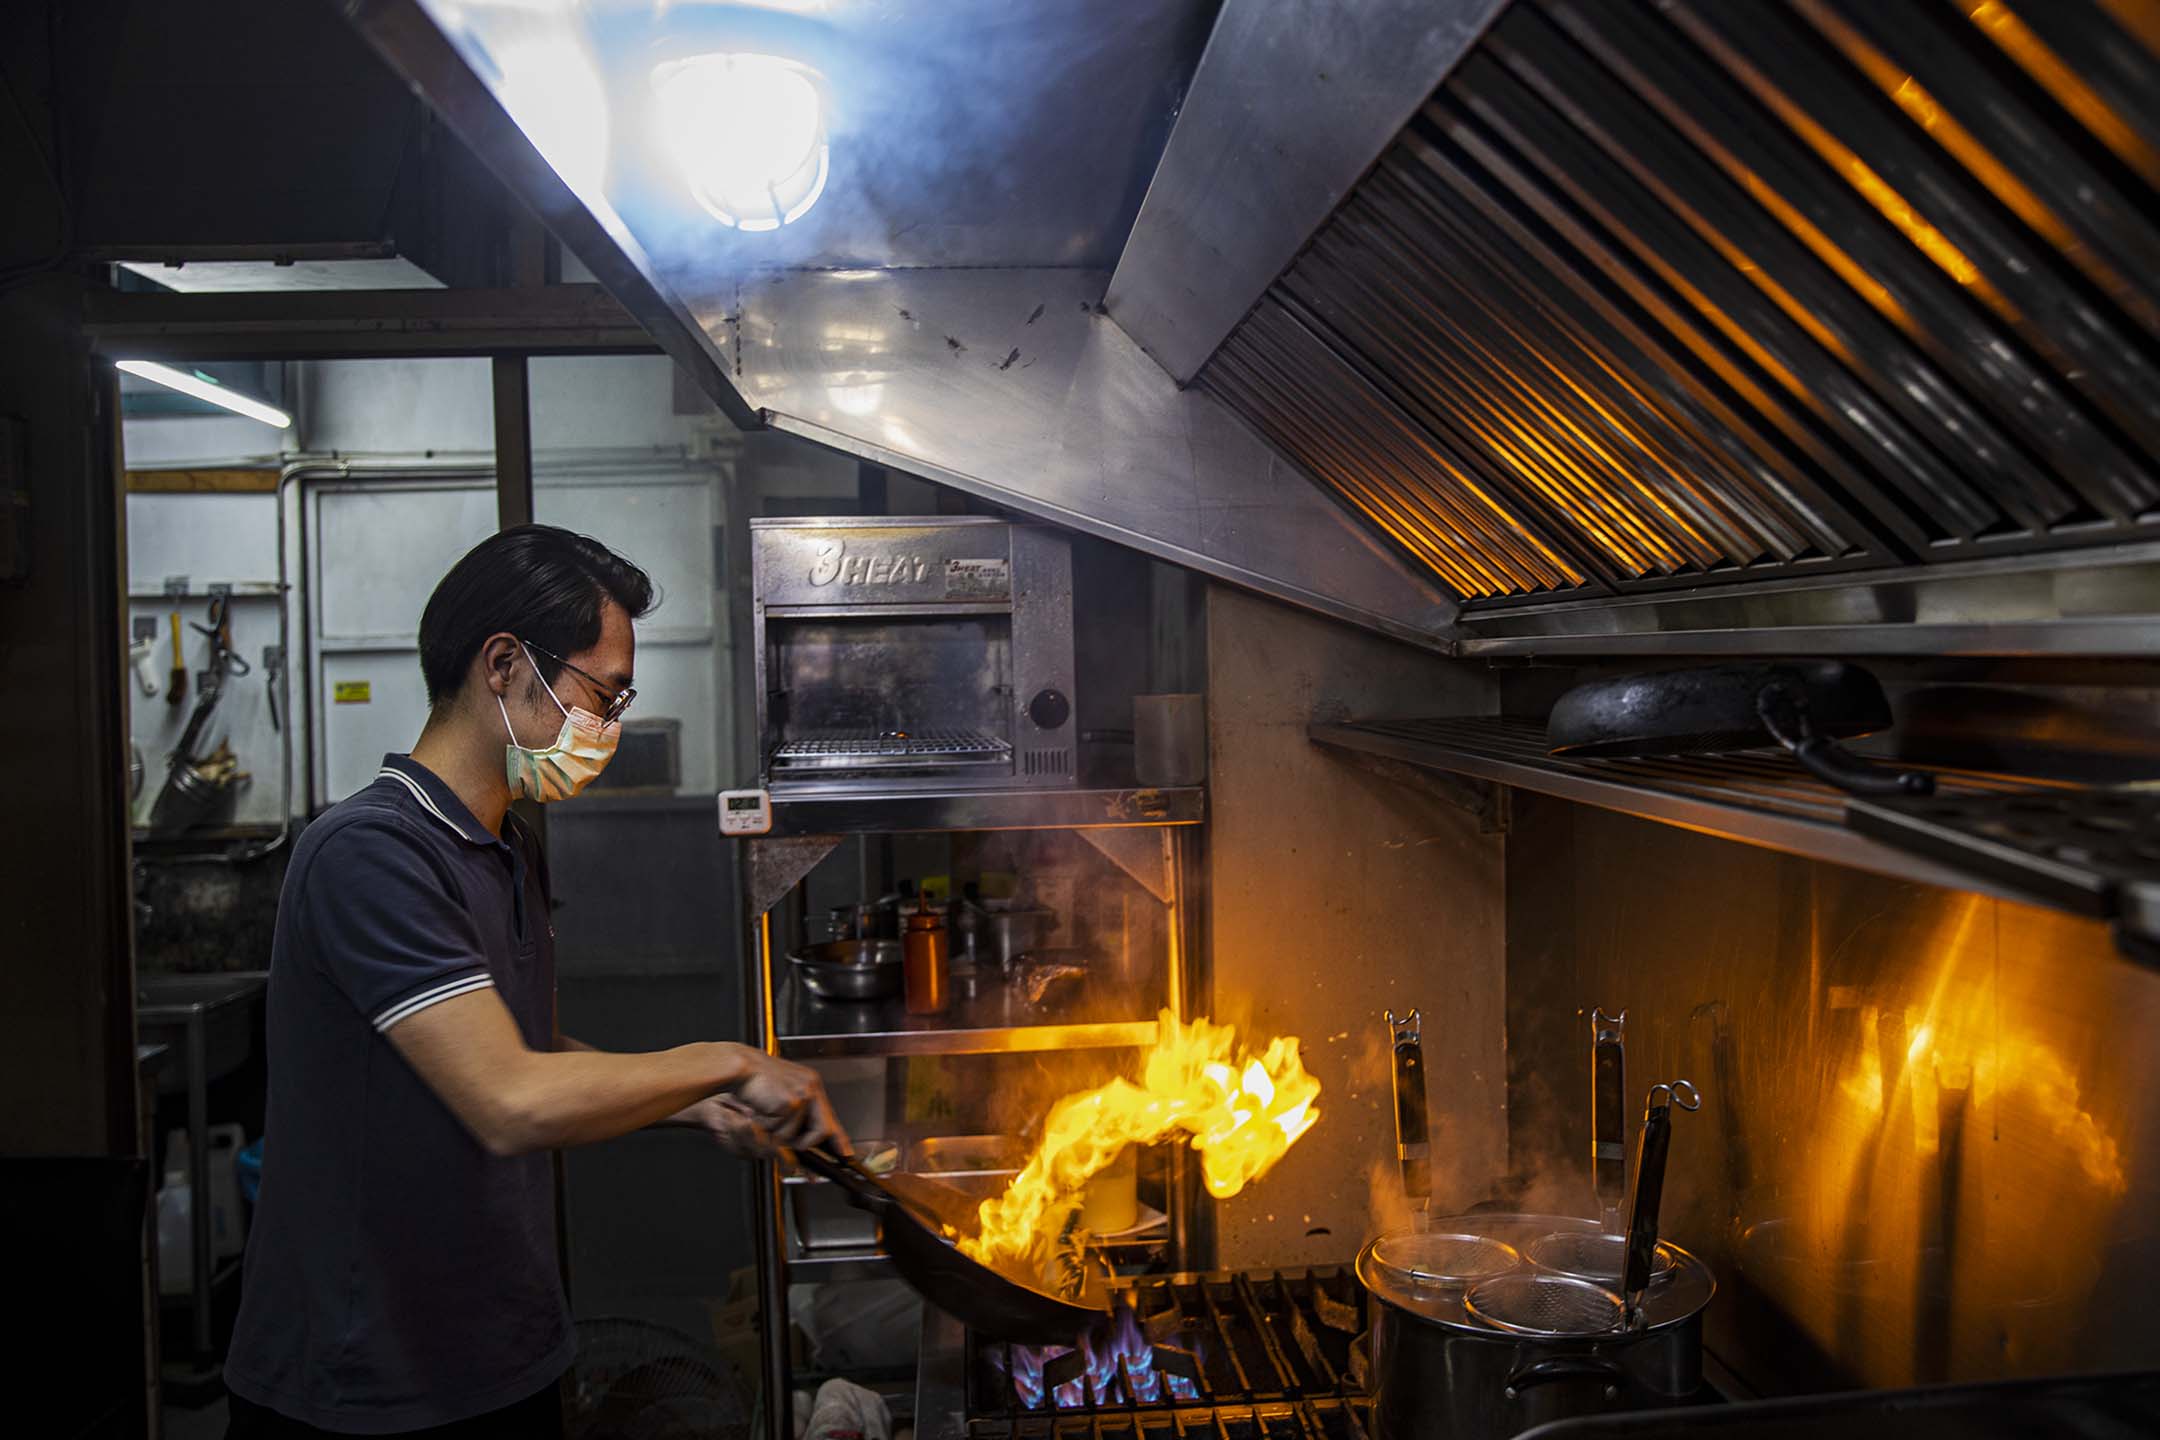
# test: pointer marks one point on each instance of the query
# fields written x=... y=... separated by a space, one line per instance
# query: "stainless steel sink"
x=215 y=1016
x=158 y=994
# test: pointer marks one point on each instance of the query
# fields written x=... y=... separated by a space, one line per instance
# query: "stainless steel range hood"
x=939 y=307
x=1676 y=292
x=1504 y=327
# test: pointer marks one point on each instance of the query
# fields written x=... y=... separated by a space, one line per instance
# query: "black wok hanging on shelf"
x=1807 y=706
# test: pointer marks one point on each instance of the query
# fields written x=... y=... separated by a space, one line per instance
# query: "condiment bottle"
x=924 y=947
x=967 y=924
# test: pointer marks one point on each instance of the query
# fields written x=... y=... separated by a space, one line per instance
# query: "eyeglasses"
x=618 y=700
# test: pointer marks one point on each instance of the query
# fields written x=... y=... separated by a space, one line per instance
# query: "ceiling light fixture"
x=202 y=387
x=747 y=133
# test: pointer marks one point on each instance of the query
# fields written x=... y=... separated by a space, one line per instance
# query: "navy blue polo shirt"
x=398 y=1276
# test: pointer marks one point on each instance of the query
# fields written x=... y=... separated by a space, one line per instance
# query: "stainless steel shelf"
x=821 y=1267
x=994 y=1022
x=840 y=809
x=1757 y=797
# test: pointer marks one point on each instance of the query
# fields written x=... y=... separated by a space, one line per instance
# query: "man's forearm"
x=685 y=1117
x=574 y=1096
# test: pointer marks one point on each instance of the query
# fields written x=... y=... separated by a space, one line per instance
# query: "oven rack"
x=1758 y=797
x=856 y=750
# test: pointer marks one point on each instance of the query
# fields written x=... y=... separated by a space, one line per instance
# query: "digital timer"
x=745 y=812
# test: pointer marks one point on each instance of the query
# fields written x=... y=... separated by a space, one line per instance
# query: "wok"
x=914 y=1214
x=1805 y=705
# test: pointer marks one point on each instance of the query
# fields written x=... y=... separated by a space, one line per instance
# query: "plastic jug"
x=228 y=1232
x=176 y=1207
x=175 y=1217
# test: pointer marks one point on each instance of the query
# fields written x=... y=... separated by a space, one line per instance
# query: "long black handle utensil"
x=1413 y=1147
x=1651 y=1147
x=1608 y=1115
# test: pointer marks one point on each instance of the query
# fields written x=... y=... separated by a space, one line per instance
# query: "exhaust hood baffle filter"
x=1652 y=295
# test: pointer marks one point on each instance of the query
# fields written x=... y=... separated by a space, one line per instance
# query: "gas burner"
x=1258 y=1355
x=1117 y=1361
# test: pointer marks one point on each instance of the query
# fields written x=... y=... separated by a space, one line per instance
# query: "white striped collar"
x=427 y=803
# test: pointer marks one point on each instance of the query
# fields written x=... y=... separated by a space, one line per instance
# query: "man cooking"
x=402 y=1276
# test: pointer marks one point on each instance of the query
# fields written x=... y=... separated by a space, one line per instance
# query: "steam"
x=1539 y=1178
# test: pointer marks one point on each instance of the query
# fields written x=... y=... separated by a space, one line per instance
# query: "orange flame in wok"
x=1242 y=1111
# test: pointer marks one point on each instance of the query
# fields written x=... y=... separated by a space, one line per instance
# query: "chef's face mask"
x=581 y=750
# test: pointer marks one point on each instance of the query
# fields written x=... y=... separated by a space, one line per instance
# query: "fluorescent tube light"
x=202 y=387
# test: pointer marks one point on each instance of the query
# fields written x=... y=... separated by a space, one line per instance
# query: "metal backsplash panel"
x=1926 y=1146
x=1650 y=294
x=1336 y=892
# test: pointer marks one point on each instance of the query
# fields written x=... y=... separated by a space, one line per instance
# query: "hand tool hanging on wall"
x=196 y=790
x=176 y=680
x=142 y=655
x=273 y=661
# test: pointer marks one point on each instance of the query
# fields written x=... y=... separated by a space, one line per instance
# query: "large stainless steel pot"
x=850 y=969
x=1486 y=1325
x=1436 y=1369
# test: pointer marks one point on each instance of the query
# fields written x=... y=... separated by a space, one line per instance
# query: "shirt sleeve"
x=389 y=926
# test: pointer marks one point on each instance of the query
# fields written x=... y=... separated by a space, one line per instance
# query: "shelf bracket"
x=1141 y=853
x=1486 y=801
x=778 y=864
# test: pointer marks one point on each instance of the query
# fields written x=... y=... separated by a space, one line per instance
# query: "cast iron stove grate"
x=1253 y=1355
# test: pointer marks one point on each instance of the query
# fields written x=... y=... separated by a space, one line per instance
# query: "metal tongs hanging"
x=1651 y=1148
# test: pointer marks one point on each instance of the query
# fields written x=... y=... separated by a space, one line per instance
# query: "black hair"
x=538 y=582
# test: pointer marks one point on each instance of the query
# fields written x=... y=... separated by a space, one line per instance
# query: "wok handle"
x=1559 y=1368
x=1783 y=710
x=861 y=1186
